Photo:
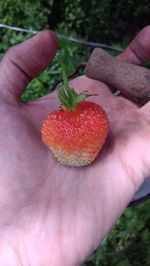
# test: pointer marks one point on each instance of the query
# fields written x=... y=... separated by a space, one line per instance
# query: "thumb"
x=24 y=62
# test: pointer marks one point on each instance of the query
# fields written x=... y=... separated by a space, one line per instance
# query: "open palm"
x=53 y=214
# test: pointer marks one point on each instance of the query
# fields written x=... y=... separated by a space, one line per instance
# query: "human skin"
x=52 y=214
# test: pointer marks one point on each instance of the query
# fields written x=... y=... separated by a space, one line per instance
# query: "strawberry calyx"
x=68 y=97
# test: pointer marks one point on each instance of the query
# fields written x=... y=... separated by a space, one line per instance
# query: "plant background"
x=106 y=21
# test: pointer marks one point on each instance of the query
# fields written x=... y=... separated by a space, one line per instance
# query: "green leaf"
x=62 y=96
x=72 y=94
x=81 y=97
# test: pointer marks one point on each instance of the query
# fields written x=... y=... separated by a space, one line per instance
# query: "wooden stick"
x=133 y=81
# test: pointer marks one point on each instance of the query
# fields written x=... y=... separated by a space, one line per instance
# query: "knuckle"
x=12 y=54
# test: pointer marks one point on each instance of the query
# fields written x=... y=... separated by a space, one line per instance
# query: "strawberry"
x=76 y=132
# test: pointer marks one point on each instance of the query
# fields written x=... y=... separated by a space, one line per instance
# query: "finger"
x=138 y=50
x=25 y=61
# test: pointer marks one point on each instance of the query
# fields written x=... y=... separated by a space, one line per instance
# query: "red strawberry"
x=76 y=137
x=76 y=132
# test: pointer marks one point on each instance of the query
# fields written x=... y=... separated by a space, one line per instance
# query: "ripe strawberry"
x=77 y=131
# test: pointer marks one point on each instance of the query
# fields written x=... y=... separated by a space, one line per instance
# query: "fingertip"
x=49 y=35
x=48 y=43
x=54 y=37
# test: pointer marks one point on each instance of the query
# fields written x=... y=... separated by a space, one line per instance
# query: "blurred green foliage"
x=110 y=21
x=129 y=242
x=104 y=20
x=24 y=13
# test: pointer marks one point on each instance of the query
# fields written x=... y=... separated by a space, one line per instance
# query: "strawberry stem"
x=68 y=97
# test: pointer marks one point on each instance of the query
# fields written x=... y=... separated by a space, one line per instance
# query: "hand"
x=52 y=214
